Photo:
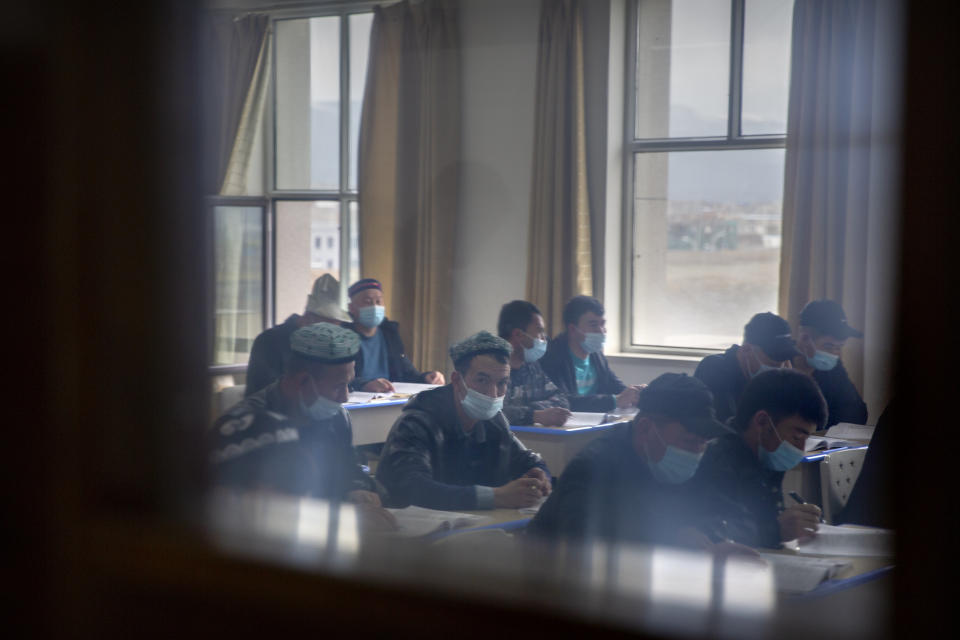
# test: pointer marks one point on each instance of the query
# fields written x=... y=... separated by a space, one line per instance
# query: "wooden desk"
x=558 y=445
x=372 y=420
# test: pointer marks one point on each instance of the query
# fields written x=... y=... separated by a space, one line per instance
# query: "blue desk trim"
x=350 y=406
x=560 y=431
x=510 y=525
x=820 y=454
x=833 y=586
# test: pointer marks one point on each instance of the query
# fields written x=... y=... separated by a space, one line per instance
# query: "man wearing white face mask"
x=631 y=485
x=293 y=436
x=531 y=397
x=452 y=448
x=741 y=475
x=823 y=332
x=381 y=359
x=576 y=364
x=767 y=345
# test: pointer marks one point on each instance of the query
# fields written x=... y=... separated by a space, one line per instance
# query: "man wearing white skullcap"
x=271 y=347
x=293 y=436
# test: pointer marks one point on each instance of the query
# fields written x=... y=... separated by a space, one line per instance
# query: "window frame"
x=632 y=145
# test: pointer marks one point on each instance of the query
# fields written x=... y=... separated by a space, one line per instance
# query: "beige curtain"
x=559 y=247
x=409 y=169
x=840 y=198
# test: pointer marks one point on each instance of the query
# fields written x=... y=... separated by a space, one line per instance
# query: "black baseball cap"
x=827 y=317
x=679 y=397
x=771 y=333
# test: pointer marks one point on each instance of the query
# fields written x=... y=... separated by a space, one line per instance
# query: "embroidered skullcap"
x=324 y=300
x=482 y=342
x=325 y=342
x=361 y=285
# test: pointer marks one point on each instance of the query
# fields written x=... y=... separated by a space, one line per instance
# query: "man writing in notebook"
x=451 y=447
x=531 y=397
x=576 y=364
x=823 y=333
x=740 y=477
x=382 y=359
x=766 y=345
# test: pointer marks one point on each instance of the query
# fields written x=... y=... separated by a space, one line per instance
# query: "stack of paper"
x=583 y=419
x=816 y=443
x=800 y=574
x=418 y=521
x=848 y=541
x=849 y=431
x=411 y=388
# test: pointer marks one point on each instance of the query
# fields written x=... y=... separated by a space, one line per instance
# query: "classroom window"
x=704 y=154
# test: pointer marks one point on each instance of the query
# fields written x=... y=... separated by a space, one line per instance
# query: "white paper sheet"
x=816 y=443
x=412 y=388
x=418 y=521
x=843 y=540
x=849 y=431
x=583 y=419
x=800 y=574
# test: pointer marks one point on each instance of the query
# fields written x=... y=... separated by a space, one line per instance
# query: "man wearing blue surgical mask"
x=767 y=345
x=823 y=333
x=452 y=448
x=574 y=361
x=531 y=397
x=381 y=360
x=293 y=436
x=632 y=484
x=741 y=474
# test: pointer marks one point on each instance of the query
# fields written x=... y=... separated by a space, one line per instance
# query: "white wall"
x=499 y=39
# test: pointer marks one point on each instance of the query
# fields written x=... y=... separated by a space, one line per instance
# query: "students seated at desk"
x=741 y=474
x=294 y=436
x=822 y=333
x=451 y=448
x=629 y=485
x=270 y=349
x=575 y=361
x=382 y=359
x=531 y=396
x=766 y=345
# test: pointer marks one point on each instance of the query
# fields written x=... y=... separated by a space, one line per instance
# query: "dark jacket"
x=256 y=444
x=868 y=502
x=530 y=391
x=736 y=489
x=557 y=364
x=401 y=369
x=429 y=460
x=843 y=399
x=268 y=356
x=722 y=374
x=607 y=492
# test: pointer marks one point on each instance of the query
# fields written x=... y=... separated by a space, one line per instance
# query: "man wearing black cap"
x=767 y=344
x=382 y=359
x=293 y=436
x=630 y=485
x=741 y=474
x=823 y=332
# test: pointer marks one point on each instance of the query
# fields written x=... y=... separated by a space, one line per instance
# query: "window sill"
x=658 y=358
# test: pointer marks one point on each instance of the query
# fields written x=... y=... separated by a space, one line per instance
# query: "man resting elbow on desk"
x=452 y=448
x=741 y=475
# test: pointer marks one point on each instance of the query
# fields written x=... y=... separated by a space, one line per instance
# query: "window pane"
x=706 y=244
x=766 y=66
x=683 y=68
x=359 y=52
x=303 y=234
x=308 y=103
x=238 y=282
x=354 y=244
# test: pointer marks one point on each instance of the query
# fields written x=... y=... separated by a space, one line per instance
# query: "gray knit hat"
x=324 y=299
x=325 y=342
x=482 y=342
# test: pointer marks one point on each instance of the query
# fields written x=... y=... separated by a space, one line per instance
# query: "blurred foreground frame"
x=106 y=254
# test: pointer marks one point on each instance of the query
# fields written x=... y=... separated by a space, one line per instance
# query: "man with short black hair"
x=766 y=345
x=629 y=485
x=293 y=436
x=823 y=332
x=271 y=348
x=531 y=397
x=451 y=447
x=576 y=364
x=382 y=359
x=741 y=475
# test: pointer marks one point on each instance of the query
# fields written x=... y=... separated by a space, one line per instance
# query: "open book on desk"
x=832 y=540
x=819 y=443
x=800 y=574
x=419 y=521
x=850 y=431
